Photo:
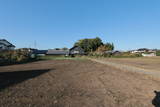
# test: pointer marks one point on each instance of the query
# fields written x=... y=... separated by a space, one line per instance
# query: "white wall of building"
x=149 y=55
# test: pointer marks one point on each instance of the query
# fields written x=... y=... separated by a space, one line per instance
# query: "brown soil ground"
x=151 y=63
x=74 y=83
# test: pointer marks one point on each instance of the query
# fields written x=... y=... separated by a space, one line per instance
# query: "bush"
x=116 y=55
x=127 y=55
x=98 y=54
x=14 y=56
x=158 y=53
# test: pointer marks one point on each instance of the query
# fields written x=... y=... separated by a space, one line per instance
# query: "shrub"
x=158 y=53
x=116 y=55
x=14 y=56
x=99 y=54
x=127 y=55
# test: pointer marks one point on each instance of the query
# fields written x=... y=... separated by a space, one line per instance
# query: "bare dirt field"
x=75 y=83
x=151 y=63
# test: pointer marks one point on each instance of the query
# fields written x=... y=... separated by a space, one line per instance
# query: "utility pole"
x=35 y=44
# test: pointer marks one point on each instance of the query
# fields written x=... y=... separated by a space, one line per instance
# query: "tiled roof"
x=6 y=43
x=40 y=51
x=57 y=52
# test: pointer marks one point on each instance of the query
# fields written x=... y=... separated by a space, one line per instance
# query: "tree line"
x=94 y=44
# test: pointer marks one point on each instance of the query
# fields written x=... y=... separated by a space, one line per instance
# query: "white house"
x=149 y=54
x=136 y=51
x=5 y=45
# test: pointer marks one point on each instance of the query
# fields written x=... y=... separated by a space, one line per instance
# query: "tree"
x=96 y=43
x=89 y=45
x=158 y=53
x=64 y=48
x=105 y=47
x=102 y=49
x=109 y=46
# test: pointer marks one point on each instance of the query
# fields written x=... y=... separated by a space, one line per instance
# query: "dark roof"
x=114 y=51
x=9 y=44
x=76 y=50
x=57 y=52
x=40 y=51
x=75 y=47
x=143 y=49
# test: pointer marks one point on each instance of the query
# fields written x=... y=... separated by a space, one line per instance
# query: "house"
x=114 y=52
x=134 y=51
x=5 y=45
x=31 y=50
x=142 y=50
x=145 y=52
x=57 y=52
x=39 y=52
x=152 y=50
x=148 y=54
x=76 y=50
x=73 y=51
x=117 y=53
x=108 y=52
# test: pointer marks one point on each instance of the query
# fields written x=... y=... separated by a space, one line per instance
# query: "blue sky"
x=129 y=24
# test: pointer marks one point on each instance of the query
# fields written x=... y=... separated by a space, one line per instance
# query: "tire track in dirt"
x=151 y=73
x=79 y=84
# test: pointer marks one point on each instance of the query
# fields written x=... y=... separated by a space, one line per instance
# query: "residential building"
x=76 y=50
x=5 y=45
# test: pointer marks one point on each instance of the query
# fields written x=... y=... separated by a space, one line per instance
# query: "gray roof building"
x=57 y=52
x=76 y=50
x=5 y=45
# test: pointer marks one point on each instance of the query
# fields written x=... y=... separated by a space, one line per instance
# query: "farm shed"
x=40 y=52
x=57 y=52
x=76 y=50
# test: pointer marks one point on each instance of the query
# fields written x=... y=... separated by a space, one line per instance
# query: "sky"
x=129 y=24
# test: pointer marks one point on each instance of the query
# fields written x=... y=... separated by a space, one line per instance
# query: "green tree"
x=109 y=46
x=64 y=48
x=105 y=47
x=158 y=53
x=89 y=45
